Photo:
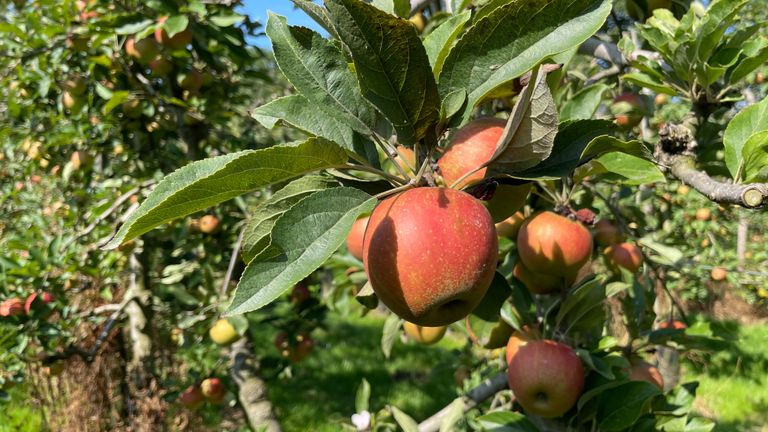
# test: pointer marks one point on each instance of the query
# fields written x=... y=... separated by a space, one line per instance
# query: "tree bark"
x=741 y=240
x=138 y=323
x=472 y=399
x=252 y=390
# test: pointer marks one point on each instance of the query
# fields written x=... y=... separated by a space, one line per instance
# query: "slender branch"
x=372 y=170
x=394 y=191
x=232 y=262
x=472 y=399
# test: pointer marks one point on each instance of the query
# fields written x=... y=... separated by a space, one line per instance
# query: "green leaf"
x=512 y=39
x=438 y=43
x=318 y=13
x=583 y=306
x=621 y=406
x=390 y=332
x=320 y=73
x=303 y=238
x=363 y=396
x=401 y=8
x=647 y=81
x=497 y=294
x=755 y=156
x=668 y=254
x=133 y=27
x=262 y=220
x=392 y=66
x=746 y=123
x=116 y=98
x=404 y=420
x=570 y=142
x=628 y=169
x=309 y=117
x=452 y=103
x=453 y=416
x=700 y=424
x=204 y=183
x=227 y=20
x=506 y=421
x=584 y=103
x=606 y=144
x=530 y=134
x=175 y=24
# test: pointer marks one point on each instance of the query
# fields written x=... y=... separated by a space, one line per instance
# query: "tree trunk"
x=252 y=390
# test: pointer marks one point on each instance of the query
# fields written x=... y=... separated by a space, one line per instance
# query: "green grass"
x=734 y=383
x=15 y=416
x=321 y=393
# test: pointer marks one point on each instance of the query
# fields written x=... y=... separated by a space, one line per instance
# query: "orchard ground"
x=420 y=379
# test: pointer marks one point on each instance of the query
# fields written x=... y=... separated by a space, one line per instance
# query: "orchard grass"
x=321 y=393
x=17 y=416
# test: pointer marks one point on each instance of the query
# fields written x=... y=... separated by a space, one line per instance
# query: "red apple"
x=177 y=42
x=555 y=245
x=191 y=80
x=628 y=110
x=192 y=397
x=607 y=233
x=537 y=283
x=300 y=293
x=424 y=335
x=718 y=274
x=32 y=299
x=355 y=237
x=430 y=254
x=142 y=51
x=625 y=255
x=160 y=66
x=208 y=224
x=510 y=226
x=11 y=307
x=546 y=377
x=213 y=389
x=644 y=371
x=673 y=324
x=470 y=147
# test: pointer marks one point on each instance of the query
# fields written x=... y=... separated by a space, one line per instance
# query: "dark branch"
x=675 y=153
x=472 y=399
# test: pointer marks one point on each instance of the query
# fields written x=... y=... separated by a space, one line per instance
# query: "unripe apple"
x=79 y=159
x=75 y=86
x=160 y=66
x=718 y=274
x=356 y=236
x=537 y=283
x=418 y=22
x=470 y=147
x=191 y=80
x=644 y=371
x=625 y=255
x=628 y=110
x=430 y=254
x=555 y=245
x=177 y=42
x=510 y=226
x=223 y=332
x=546 y=377
x=661 y=99
x=424 y=335
x=77 y=43
x=607 y=233
x=143 y=51
x=72 y=102
x=759 y=78
x=703 y=214
x=11 y=307
x=208 y=224
x=45 y=298
x=132 y=108
x=192 y=397
x=213 y=389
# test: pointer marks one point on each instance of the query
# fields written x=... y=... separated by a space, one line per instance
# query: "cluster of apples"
x=294 y=347
x=617 y=252
x=210 y=389
x=18 y=307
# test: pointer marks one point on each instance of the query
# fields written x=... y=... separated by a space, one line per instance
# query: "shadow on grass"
x=321 y=392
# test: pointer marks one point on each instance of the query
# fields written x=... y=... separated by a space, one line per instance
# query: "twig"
x=232 y=262
x=472 y=399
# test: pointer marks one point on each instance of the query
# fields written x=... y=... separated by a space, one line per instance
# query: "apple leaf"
x=627 y=169
x=584 y=103
x=175 y=24
x=746 y=123
x=363 y=396
x=390 y=333
x=439 y=42
x=204 y=183
x=318 y=13
x=506 y=421
x=755 y=156
x=262 y=220
x=583 y=308
x=621 y=406
x=403 y=420
x=454 y=414
x=303 y=238
x=300 y=113
x=391 y=64
x=531 y=129
x=320 y=73
x=401 y=8
x=513 y=38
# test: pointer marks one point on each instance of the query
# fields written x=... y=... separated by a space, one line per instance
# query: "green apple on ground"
x=430 y=254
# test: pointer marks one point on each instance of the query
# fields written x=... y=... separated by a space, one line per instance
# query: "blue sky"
x=257 y=9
